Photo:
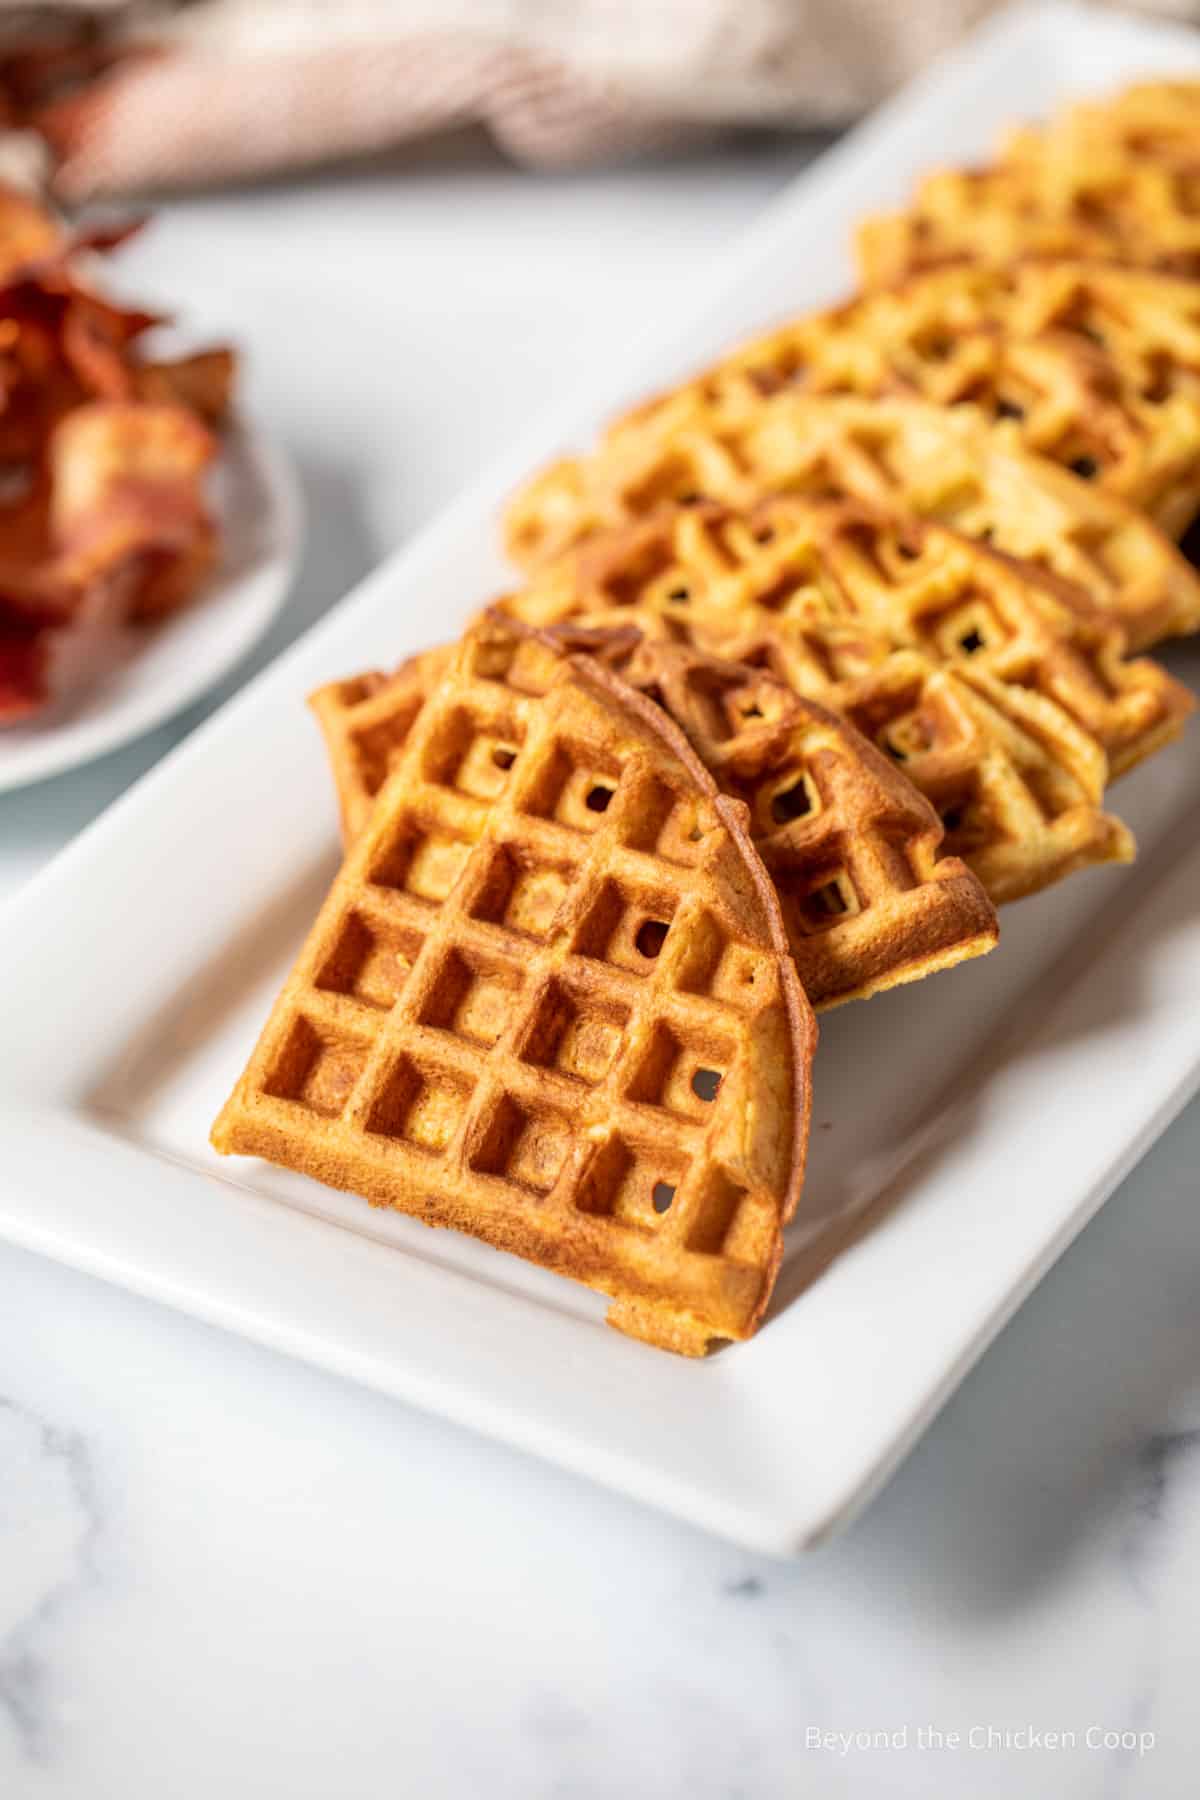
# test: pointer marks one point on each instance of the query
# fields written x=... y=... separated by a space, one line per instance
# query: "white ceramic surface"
x=110 y=688
x=774 y=1443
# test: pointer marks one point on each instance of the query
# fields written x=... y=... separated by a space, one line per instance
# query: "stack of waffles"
x=814 y=661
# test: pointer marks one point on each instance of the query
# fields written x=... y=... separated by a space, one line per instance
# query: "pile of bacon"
x=103 y=452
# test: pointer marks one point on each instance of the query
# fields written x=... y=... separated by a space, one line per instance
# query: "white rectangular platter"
x=988 y=1112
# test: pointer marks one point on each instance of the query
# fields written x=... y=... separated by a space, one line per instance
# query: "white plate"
x=106 y=692
x=989 y=1112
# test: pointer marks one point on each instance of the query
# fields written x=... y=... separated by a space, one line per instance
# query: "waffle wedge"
x=934 y=590
x=980 y=727
x=548 y=1001
x=853 y=849
x=995 y=214
x=868 y=583
x=366 y=720
x=1158 y=121
x=1093 y=367
x=1116 y=180
x=902 y=458
x=366 y=723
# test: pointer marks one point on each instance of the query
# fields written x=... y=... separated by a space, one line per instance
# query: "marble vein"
x=49 y=1525
x=1161 y=1455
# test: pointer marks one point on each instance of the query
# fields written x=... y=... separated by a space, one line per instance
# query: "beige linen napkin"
x=165 y=93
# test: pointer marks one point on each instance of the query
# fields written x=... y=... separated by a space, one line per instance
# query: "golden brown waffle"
x=549 y=1002
x=899 y=457
x=366 y=722
x=1118 y=180
x=931 y=589
x=991 y=215
x=854 y=851
x=822 y=598
x=1157 y=120
x=1094 y=367
x=951 y=467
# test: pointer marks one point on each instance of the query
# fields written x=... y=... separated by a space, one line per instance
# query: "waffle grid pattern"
x=1119 y=182
x=1016 y=781
x=850 y=845
x=526 y=1011
x=852 y=848
x=1093 y=367
x=902 y=458
x=931 y=590
x=366 y=723
x=950 y=467
x=1118 y=209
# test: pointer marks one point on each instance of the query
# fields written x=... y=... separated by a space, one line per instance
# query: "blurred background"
x=110 y=97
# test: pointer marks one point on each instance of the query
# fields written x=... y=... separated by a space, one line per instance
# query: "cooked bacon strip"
x=22 y=670
x=127 y=484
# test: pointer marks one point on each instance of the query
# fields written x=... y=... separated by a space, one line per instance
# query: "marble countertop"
x=221 y=1572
